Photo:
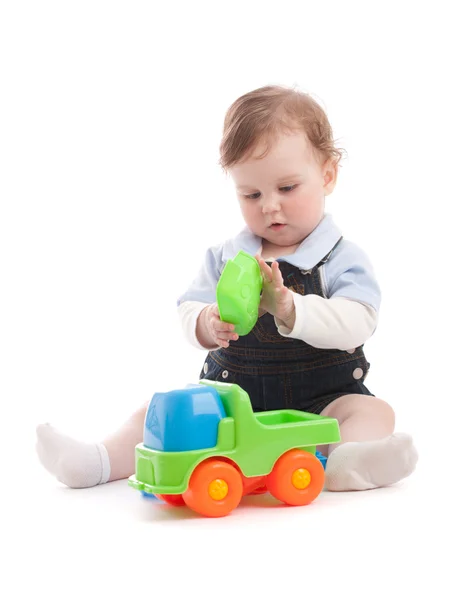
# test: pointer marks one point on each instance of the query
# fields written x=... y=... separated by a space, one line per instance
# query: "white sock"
x=368 y=465
x=76 y=464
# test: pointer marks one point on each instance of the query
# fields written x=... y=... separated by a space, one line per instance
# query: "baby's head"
x=278 y=147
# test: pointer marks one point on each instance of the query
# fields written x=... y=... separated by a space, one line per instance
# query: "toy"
x=206 y=448
x=323 y=459
x=238 y=292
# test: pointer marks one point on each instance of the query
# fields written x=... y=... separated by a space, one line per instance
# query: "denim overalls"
x=279 y=372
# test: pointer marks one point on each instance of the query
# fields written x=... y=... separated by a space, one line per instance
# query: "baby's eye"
x=254 y=196
x=287 y=188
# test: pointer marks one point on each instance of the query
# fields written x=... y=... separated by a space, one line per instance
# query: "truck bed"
x=275 y=418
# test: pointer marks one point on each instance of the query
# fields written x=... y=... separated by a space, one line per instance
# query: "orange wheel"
x=215 y=489
x=297 y=478
x=172 y=499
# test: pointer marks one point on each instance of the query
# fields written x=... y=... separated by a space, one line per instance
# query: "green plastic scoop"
x=238 y=292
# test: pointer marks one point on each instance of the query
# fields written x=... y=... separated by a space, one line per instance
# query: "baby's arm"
x=203 y=327
x=197 y=308
x=330 y=323
x=189 y=313
x=348 y=314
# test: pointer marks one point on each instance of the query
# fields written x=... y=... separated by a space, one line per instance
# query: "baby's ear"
x=330 y=171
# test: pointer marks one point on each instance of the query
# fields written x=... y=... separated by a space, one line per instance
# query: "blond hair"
x=260 y=115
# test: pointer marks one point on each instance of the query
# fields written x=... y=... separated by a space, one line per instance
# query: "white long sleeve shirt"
x=343 y=319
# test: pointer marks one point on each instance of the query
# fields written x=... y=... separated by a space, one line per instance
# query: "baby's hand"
x=219 y=331
x=276 y=298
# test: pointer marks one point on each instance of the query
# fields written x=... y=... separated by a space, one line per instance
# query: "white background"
x=110 y=121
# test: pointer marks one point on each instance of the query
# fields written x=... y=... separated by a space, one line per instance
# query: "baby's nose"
x=271 y=204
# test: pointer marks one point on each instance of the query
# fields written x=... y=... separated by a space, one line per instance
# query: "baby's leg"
x=369 y=455
x=78 y=464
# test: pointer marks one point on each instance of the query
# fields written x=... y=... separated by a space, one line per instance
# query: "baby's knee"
x=351 y=405
x=384 y=411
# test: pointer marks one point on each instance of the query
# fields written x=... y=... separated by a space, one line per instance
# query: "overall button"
x=358 y=373
x=205 y=368
x=224 y=374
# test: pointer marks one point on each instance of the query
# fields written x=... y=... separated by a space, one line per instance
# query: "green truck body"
x=252 y=441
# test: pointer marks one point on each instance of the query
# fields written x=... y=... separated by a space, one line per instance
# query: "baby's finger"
x=221 y=343
x=277 y=275
x=222 y=325
x=278 y=280
x=266 y=271
x=226 y=336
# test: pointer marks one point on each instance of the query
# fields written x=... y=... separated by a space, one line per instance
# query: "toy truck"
x=204 y=447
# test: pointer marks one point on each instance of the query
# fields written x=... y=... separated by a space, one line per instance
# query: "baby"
x=319 y=305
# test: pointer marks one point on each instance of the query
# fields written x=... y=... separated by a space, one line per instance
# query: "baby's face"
x=282 y=195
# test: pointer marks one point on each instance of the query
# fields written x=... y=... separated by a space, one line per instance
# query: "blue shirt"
x=348 y=273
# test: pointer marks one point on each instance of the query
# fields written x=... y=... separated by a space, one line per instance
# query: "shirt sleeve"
x=335 y=323
x=203 y=287
x=188 y=313
x=200 y=293
x=347 y=317
x=350 y=274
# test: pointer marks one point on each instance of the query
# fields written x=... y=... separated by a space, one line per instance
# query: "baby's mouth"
x=277 y=226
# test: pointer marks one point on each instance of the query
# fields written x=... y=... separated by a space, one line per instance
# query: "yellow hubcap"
x=218 y=489
x=301 y=479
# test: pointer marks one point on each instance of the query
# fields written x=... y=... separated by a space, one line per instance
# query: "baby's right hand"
x=219 y=331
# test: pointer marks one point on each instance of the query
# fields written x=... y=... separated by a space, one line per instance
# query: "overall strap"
x=328 y=256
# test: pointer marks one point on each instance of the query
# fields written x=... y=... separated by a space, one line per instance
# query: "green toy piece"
x=272 y=450
x=238 y=292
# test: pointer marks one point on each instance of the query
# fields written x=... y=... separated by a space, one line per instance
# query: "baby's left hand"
x=276 y=297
